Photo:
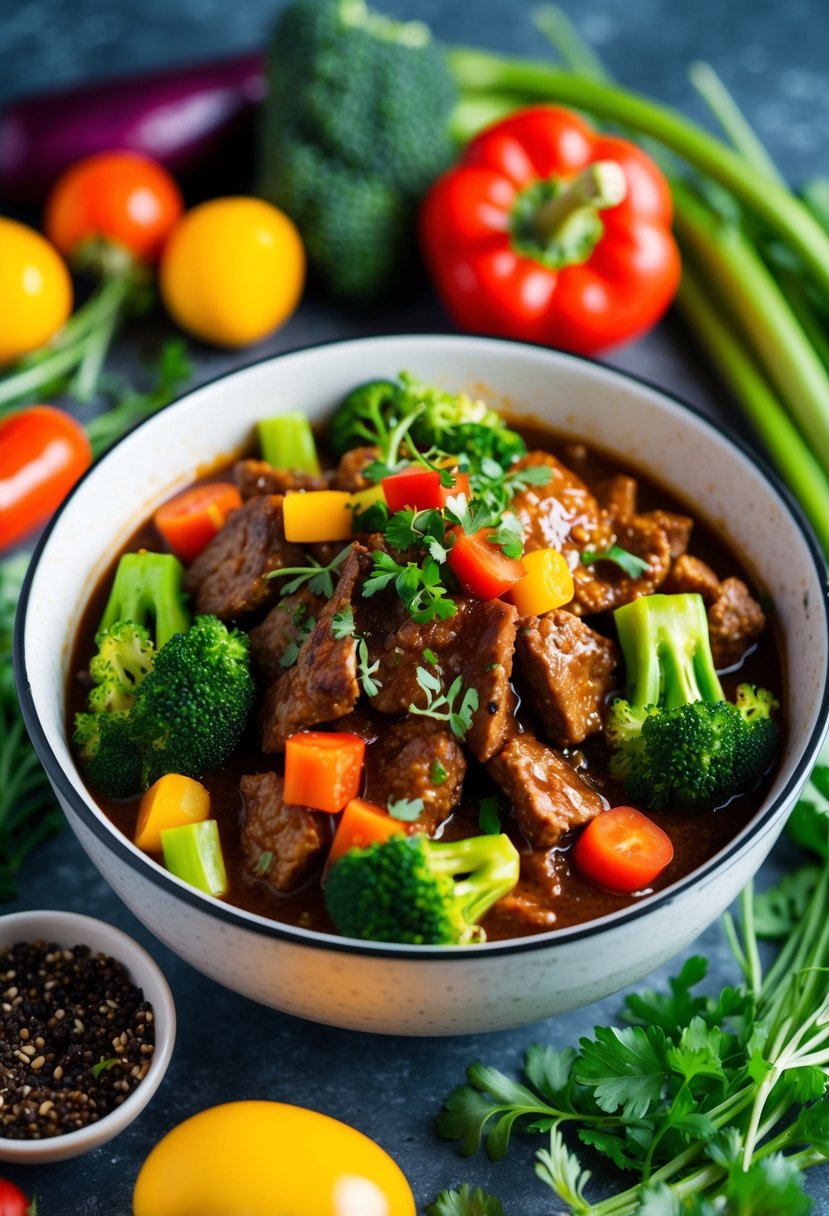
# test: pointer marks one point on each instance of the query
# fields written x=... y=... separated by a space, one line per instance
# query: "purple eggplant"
x=183 y=117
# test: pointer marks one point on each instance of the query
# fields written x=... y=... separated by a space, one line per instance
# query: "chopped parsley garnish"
x=489 y=819
x=405 y=809
x=365 y=670
x=419 y=587
x=291 y=652
x=342 y=623
x=440 y=705
x=437 y=773
x=263 y=864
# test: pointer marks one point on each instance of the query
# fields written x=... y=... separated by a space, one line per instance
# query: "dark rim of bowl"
x=309 y=938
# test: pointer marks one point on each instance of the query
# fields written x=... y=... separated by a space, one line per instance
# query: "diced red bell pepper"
x=421 y=489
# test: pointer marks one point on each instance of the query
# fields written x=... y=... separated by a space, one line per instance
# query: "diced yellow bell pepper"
x=361 y=500
x=317 y=515
x=171 y=803
x=548 y=583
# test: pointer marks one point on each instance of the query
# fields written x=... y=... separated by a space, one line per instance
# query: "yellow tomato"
x=232 y=271
x=35 y=290
x=269 y=1159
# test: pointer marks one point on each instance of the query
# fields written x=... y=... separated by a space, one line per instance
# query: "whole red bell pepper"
x=551 y=232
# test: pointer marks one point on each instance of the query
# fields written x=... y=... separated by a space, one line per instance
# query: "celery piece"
x=287 y=442
x=193 y=852
x=147 y=590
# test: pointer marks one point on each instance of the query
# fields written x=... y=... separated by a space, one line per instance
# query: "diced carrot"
x=317 y=515
x=190 y=520
x=172 y=802
x=362 y=824
x=323 y=769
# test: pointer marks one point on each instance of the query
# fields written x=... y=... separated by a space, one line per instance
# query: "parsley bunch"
x=715 y=1103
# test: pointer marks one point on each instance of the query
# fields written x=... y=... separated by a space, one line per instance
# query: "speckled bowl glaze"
x=423 y=990
x=71 y=929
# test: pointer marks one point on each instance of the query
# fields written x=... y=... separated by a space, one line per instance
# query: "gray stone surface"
x=774 y=58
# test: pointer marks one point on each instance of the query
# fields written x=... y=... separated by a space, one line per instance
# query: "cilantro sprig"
x=319 y=578
x=441 y=705
x=343 y=626
x=419 y=587
x=716 y=1103
x=633 y=566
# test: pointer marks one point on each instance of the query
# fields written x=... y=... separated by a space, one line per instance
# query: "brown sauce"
x=696 y=837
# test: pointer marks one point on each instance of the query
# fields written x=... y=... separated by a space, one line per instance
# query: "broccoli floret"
x=677 y=744
x=193 y=706
x=186 y=714
x=125 y=656
x=355 y=128
x=147 y=591
x=423 y=892
x=367 y=415
x=110 y=759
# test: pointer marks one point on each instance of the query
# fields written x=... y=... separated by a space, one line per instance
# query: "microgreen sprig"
x=320 y=579
x=633 y=566
x=440 y=705
x=343 y=626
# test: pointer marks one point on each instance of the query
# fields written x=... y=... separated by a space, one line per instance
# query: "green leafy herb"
x=342 y=623
x=291 y=652
x=509 y=536
x=263 y=864
x=465 y=1202
x=103 y=1065
x=633 y=566
x=429 y=656
x=495 y=487
x=405 y=809
x=489 y=818
x=419 y=587
x=441 y=706
x=715 y=1103
x=319 y=578
x=437 y=773
x=366 y=670
x=409 y=528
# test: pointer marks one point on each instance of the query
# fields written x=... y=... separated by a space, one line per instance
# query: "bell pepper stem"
x=597 y=187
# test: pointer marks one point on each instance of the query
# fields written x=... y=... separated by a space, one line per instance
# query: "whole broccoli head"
x=677 y=744
x=355 y=128
x=193 y=706
x=408 y=889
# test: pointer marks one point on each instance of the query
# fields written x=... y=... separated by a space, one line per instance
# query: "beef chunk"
x=280 y=843
x=566 y=669
x=563 y=514
x=284 y=626
x=475 y=644
x=690 y=574
x=567 y=516
x=678 y=529
x=418 y=758
x=257 y=477
x=322 y=685
x=229 y=577
x=603 y=586
x=349 y=472
x=735 y=622
x=549 y=797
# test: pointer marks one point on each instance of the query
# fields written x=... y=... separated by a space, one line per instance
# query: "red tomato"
x=623 y=850
x=119 y=198
x=43 y=452
x=12 y=1200
x=421 y=489
x=188 y=521
x=481 y=568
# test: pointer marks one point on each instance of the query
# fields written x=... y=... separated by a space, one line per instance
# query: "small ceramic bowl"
x=70 y=929
x=425 y=990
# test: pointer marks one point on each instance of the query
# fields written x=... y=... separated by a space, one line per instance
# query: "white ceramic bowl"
x=70 y=929
x=408 y=989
